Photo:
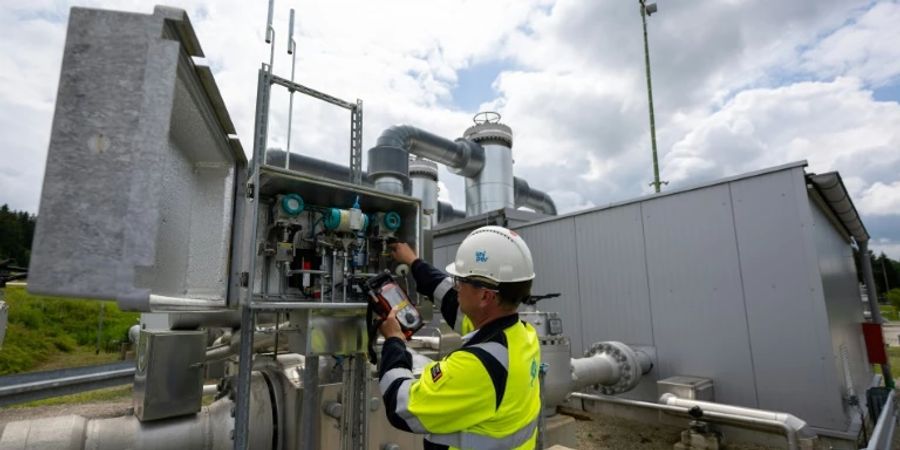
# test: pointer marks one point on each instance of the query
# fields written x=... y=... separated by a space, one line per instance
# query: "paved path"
x=891 y=331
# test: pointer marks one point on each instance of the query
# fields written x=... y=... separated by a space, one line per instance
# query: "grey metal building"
x=749 y=281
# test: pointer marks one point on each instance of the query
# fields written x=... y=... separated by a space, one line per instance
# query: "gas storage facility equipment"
x=746 y=285
x=729 y=307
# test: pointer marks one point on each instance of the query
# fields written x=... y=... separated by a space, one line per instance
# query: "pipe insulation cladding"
x=211 y=428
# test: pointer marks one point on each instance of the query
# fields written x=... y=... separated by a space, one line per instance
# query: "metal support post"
x=291 y=51
x=242 y=390
x=656 y=181
x=309 y=435
x=248 y=315
x=355 y=398
x=260 y=138
x=356 y=143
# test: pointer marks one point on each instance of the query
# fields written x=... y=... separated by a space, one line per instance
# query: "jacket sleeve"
x=450 y=396
x=438 y=285
x=396 y=368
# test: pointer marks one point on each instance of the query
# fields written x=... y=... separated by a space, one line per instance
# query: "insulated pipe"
x=312 y=166
x=423 y=176
x=532 y=198
x=389 y=159
x=211 y=428
x=446 y=213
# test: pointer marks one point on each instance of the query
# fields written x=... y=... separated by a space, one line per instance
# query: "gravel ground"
x=614 y=433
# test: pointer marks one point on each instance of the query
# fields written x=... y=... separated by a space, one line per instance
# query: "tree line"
x=16 y=234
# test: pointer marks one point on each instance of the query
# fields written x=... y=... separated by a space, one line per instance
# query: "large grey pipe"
x=211 y=428
x=389 y=158
x=532 y=198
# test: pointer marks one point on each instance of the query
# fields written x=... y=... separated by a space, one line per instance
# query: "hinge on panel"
x=245 y=279
x=250 y=190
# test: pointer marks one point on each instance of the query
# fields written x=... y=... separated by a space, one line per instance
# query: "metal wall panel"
x=612 y=276
x=700 y=321
x=743 y=281
x=845 y=310
x=553 y=248
x=781 y=298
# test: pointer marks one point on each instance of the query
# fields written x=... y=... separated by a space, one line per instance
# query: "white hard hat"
x=494 y=253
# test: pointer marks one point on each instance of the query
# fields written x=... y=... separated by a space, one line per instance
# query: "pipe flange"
x=419 y=167
x=490 y=132
x=627 y=361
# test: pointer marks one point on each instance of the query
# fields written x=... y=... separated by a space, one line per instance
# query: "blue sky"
x=474 y=85
x=738 y=86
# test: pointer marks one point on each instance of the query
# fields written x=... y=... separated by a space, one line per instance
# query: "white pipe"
x=597 y=369
x=733 y=417
x=789 y=420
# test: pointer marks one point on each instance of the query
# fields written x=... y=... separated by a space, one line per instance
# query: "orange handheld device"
x=385 y=294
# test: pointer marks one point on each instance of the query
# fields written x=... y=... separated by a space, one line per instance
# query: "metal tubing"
x=270 y=32
x=306 y=305
x=793 y=426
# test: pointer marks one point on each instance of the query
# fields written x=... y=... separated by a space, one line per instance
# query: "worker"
x=485 y=395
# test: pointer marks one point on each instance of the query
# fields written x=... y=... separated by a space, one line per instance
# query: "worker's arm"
x=430 y=281
x=451 y=395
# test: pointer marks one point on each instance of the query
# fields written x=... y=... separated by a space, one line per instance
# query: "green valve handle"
x=392 y=221
x=292 y=204
x=332 y=218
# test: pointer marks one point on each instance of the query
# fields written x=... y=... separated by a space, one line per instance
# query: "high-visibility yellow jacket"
x=486 y=395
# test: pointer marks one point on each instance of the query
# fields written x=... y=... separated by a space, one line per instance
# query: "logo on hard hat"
x=480 y=256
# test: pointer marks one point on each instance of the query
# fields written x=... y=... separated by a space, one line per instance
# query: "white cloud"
x=737 y=85
x=834 y=125
x=867 y=48
x=881 y=199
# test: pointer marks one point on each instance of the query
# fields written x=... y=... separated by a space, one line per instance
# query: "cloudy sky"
x=739 y=85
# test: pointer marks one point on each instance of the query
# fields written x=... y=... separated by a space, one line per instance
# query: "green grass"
x=890 y=313
x=43 y=330
x=100 y=395
x=894 y=359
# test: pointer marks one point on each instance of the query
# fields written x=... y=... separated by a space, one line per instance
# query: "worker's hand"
x=391 y=326
x=403 y=253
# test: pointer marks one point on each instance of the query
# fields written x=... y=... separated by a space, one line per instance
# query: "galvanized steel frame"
x=356 y=121
x=356 y=377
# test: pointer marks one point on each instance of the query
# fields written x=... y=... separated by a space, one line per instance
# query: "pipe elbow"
x=532 y=198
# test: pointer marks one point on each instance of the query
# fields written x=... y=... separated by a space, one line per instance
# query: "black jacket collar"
x=493 y=328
